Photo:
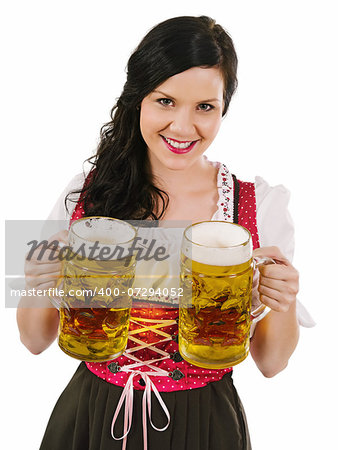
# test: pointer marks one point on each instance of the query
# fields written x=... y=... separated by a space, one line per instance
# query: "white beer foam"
x=218 y=243
x=109 y=232
x=112 y=237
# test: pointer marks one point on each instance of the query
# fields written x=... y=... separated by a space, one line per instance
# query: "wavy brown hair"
x=120 y=183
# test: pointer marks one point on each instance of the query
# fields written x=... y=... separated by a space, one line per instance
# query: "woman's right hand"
x=41 y=272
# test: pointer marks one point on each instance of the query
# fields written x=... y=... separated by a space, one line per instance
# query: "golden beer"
x=216 y=276
x=94 y=321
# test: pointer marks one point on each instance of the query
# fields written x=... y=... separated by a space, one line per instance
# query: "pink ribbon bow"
x=128 y=396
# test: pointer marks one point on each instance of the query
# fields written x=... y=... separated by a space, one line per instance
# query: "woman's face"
x=181 y=117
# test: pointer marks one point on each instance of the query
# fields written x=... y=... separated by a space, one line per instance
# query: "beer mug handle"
x=56 y=300
x=262 y=310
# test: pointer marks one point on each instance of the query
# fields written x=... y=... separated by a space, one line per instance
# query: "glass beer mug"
x=215 y=308
x=97 y=283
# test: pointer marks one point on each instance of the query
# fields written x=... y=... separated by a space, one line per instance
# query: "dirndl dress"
x=203 y=418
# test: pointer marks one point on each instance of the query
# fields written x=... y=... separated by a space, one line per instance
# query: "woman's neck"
x=184 y=181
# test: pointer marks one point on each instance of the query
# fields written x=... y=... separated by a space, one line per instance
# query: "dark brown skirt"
x=207 y=418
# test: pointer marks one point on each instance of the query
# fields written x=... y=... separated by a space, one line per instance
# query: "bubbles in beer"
x=216 y=277
x=84 y=321
x=95 y=325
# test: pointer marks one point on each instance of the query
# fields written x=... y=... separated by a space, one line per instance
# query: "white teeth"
x=181 y=145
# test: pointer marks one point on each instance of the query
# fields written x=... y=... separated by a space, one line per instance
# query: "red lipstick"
x=179 y=150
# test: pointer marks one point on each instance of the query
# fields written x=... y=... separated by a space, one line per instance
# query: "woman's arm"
x=37 y=320
x=276 y=336
x=38 y=326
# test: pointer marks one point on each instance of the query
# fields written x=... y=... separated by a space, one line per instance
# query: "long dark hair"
x=120 y=183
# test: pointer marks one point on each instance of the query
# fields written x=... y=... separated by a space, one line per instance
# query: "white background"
x=63 y=67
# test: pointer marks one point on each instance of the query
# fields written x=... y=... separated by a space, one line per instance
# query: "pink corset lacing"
x=127 y=395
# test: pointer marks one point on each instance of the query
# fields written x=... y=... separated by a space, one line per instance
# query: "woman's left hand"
x=278 y=283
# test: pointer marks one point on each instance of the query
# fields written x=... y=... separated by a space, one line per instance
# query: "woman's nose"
x=183 y=123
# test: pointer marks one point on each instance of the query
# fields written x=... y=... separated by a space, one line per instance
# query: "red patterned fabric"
x=247 y=210
x=194 y=377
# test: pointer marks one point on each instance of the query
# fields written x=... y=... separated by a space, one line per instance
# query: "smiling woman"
x=150 y=164
x=182 y=117
x=180 y=80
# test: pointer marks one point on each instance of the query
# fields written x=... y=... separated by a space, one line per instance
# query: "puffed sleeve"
x=59 y=210
x=58 y=218
x=275 y=228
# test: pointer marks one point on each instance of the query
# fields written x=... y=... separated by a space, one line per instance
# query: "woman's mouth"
x=178 y=146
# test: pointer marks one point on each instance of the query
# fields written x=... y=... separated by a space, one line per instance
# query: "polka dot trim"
x=247 y=210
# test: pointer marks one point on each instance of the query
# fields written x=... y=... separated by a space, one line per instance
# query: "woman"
x=150 y=165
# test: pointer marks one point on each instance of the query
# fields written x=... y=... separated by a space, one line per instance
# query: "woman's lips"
x=179 y=150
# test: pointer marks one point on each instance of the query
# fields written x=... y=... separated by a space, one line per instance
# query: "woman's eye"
x=205 y=107
x=165 y=101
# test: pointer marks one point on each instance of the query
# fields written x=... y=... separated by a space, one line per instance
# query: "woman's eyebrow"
x=210 y=100
x=163 y=93
x=200 y=101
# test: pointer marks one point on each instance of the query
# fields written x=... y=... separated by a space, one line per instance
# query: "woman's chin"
x=172 y=161
x=176 y=164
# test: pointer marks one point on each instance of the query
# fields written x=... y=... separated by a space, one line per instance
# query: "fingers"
x=42 y=268
x=273 y=304
x=277 y=300
x=44 y=255
x=278 y=283
x=44 y=285
x=41 y=281
x=44 y=276
x=279 y=272
x=61 y=236
x=47 y=251
x=289 y=287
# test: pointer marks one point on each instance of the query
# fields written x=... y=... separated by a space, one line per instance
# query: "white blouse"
x=274 y=223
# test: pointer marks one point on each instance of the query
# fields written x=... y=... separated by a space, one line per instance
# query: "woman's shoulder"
x=60 y=210
x=267 y=192
x=275 y=225
x=77 y=181
x=263 y=189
